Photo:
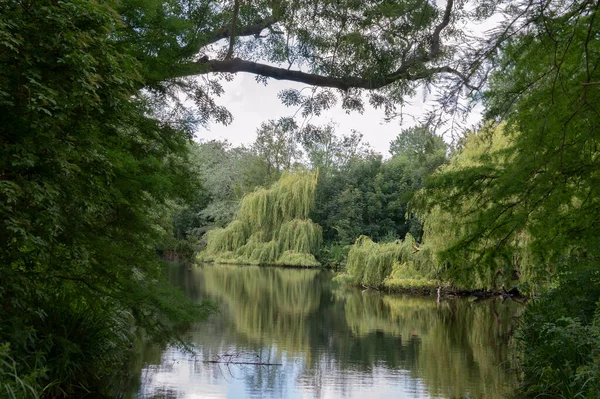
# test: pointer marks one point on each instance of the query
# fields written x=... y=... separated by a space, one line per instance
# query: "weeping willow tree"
x=271 y=227
x=452 y=218
x=397 y=264
x=450 y=251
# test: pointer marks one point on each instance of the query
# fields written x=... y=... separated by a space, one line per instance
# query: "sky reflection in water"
x=331 y=342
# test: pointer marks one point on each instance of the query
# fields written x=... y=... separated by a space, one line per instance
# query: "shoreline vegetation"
x=271 y=226
x=417 y=287
x=100 y=102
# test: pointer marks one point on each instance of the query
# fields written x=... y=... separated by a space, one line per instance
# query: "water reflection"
x=331 y=342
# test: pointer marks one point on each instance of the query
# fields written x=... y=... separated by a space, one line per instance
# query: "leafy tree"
x=559 y=337
x=447 y=221
x=342 y=48
x=327 y=151
x=534 y=200
x=271 y=227
x=86 y=175
x=421 y=147
x=276 y=145
x=544 y=182
x=227 y=173
x=220 y=176
x=362 y=194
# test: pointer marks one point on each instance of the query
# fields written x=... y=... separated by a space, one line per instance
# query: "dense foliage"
x=543 y=183
x=271 y=226
x=559 y=335
x=450 y=215
x=360 y=193
x=86 y=177
x=357 y=192
x=519 y=210
x=347 y=50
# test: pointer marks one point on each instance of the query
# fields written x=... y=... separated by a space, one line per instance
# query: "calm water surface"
x=324 y=341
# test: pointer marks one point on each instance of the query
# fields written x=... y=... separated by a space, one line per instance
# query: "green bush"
x=66 y=348
x=12 y=383
x=271 y=226
x=87 y=176
x=559 y=337
x=370 y=263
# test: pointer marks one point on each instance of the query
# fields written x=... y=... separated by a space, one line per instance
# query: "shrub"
x=559 y=336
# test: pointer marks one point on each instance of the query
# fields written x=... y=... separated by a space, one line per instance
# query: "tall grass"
x=13 y=384
x=73 y=347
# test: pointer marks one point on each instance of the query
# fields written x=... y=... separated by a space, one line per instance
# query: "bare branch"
x=435 y=40
x=253 y=29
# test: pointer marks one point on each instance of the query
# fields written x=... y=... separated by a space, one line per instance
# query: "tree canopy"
x=544 y=182
x=87 y=175
x=357 y=52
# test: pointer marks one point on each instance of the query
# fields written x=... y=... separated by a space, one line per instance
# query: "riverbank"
x=245 y=262
x=410 y=286
x=430 y=287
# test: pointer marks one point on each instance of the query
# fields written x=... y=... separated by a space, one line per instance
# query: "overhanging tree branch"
x=343 y=83
x=236 y=9
x=411 y=69
x=435 y=40
x=207 y=38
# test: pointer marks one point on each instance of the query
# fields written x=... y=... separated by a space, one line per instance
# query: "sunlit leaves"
x=534 y=197
x=271 y=226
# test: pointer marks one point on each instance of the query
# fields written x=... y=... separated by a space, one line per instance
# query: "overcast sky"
x=252 y=103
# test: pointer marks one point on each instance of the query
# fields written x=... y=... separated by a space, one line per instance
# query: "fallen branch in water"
x=251 y=363
x=236 y=358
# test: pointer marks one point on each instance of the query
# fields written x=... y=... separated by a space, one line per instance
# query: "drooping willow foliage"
x=449 y=216
x=453 y=216
x=271 y=227
x=377 y=264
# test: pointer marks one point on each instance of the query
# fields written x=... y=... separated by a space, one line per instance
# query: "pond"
x=293 y=333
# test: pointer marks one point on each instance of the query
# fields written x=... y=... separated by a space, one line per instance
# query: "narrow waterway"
x=300 y=335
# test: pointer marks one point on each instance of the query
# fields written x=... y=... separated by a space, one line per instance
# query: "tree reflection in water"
x=343 y=340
